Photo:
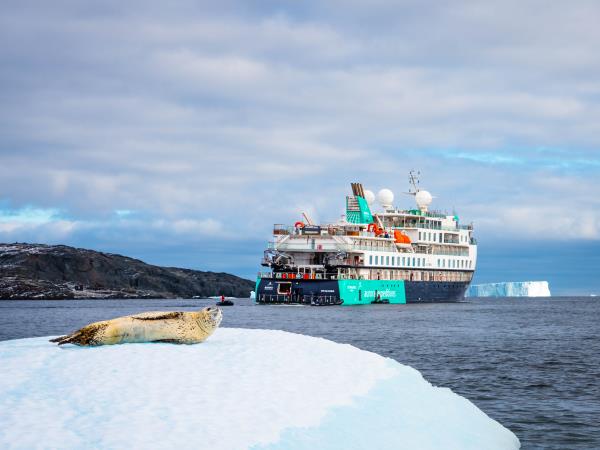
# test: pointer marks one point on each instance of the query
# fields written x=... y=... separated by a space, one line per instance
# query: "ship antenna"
x=413 y=179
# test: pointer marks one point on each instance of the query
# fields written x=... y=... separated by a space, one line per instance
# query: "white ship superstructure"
x=391 y=256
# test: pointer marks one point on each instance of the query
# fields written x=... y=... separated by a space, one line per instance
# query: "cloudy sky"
x=180 y=132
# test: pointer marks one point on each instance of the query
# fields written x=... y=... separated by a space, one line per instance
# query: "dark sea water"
x=531 y=364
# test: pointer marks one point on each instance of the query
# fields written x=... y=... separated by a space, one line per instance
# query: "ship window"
x=387 y=260
x=284 y=288
x=419 y=235
x=403 y=261
x=398 y=261
x=370 y=260
x=413 y=262
x=376 y=259
x=440 y=237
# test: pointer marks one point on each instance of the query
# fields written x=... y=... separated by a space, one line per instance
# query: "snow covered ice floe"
x=258 y=389
x=510 y=289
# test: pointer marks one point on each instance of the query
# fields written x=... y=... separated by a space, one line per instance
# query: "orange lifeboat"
x=401 y=238
x=299 y=224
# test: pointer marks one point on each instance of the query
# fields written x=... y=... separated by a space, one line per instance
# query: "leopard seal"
x=155 y=326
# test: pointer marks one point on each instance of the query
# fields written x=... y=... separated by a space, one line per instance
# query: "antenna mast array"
x=413 y=179
x=423 y=198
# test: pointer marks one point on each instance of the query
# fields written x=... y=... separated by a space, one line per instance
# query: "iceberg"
x=510 y=289
x=241 y=389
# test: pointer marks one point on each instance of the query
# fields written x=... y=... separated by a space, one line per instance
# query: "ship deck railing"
x=279 y=230
x=451 y=246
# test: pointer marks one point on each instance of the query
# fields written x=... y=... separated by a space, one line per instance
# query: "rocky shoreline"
x=36 y=272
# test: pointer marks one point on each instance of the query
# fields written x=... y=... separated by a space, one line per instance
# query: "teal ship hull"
x=356 y=292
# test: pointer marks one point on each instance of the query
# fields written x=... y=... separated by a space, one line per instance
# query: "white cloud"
x=241 y=112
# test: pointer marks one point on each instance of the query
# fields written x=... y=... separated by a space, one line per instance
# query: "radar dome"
x=369 y=197
x=385 y=197
x=423 y=199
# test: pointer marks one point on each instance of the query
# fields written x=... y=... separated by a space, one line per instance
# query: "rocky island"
x=37 y=271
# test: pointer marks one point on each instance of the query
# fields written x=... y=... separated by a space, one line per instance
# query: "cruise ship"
x=384 y=256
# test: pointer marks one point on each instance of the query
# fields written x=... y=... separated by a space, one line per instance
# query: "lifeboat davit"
x=374 y=228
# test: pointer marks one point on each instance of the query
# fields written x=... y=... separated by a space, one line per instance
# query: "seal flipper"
x=75 y=338
x=86 y=336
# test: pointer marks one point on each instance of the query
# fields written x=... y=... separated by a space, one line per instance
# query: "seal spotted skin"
x=157 y=326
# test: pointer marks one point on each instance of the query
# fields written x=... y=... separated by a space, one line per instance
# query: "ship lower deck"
x=357 y=292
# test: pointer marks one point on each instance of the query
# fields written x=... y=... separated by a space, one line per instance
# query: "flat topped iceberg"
x=241 y=388
x=510 y=289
